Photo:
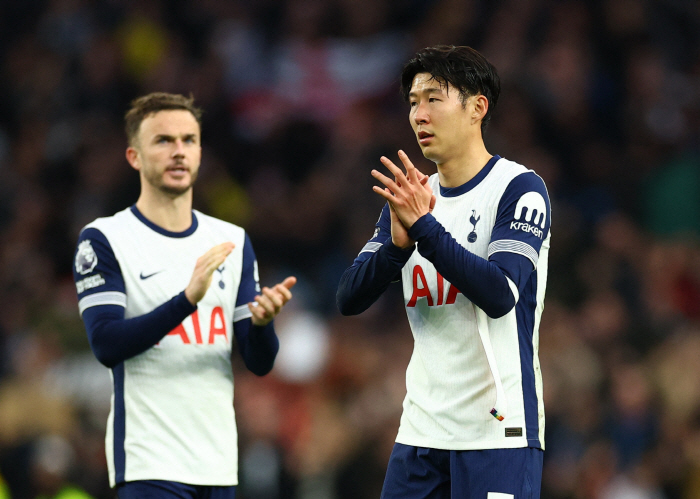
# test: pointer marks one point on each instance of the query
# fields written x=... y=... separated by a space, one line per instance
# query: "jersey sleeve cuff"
x=422 y=227
x=397 y=255
x=182 y=304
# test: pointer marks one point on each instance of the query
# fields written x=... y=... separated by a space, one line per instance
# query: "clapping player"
x=165 y=292
x=470 y=247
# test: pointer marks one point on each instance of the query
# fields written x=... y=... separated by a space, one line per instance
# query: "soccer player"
x=163 y=290
x=470 y=246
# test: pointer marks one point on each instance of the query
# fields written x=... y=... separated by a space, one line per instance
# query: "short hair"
x=153 y=103
x=462 y=67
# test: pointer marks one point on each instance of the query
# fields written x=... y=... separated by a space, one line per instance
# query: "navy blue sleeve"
x=483 y=282
x=378 y=264
x=102 y=300
x=258 y=345
x=114 y=339
x=522 y=221
x=522 y=224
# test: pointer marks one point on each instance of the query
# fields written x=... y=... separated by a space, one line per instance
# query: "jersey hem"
x=510 y=443
x=180 y=478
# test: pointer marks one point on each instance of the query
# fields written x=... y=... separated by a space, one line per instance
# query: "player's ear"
x=481 y=106
x=132 y=156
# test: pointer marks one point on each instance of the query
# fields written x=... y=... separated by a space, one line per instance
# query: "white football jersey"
x=474 y=382
x=172 y=415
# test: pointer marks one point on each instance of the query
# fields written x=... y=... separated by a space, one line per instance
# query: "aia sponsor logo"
x=445 y=294
x=217 y=327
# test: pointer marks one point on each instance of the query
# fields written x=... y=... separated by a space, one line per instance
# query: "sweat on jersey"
x=474 y=295
x=171 y=415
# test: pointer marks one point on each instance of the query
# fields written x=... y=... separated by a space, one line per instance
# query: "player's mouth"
x=177 y=170
x=424 y=138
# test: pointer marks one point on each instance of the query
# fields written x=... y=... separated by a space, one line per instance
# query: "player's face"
x=440 y=120
x=169 y=151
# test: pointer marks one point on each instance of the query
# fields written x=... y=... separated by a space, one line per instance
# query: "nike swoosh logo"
x=149 y=275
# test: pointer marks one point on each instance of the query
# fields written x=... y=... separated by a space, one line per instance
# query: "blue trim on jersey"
x=248 y=287
x=161 y=230
x=119 y=422
x=450 y=192
x=525 y=318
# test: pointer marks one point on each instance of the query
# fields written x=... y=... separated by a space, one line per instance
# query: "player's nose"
x=179 y=149
x=421 y=114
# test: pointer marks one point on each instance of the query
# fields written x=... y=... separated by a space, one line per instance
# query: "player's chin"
x=176 y=189
x=431 y=154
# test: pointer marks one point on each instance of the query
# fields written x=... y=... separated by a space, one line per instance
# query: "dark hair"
x=462 y=67
x=153 y=103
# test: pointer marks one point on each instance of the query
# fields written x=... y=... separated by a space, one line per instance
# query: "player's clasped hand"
x=204 y=270
x=409 y=195
x=268 y=304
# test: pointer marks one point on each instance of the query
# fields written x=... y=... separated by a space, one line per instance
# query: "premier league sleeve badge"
x=85 y=258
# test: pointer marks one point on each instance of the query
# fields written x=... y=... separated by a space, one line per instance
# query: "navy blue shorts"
x=417 y=473
x=161 y=489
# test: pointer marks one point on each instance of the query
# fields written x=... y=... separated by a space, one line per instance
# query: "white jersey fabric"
x=467 y=369
x=172 y=415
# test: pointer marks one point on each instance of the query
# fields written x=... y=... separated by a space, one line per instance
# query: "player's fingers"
x=215 y=254
x=385 y=193
x=433 y=200
x=275 y=297
x=410 y=169
x=395 y=170
x=391 y=184
x=283 y=292
x=265 y=304
x=289 y=282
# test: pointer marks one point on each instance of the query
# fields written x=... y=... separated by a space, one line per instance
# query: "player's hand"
x=268 y=304
x=204 y=270
x=399 y=233
x=408 y=194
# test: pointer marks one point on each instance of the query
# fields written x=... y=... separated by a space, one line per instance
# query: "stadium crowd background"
x=601 y=98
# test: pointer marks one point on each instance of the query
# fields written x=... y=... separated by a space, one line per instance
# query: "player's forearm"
x=483 y=282
x=258 y=345
x=114 y=339
x=364 y=282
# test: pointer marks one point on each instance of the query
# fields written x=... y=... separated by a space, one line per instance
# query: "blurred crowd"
x=600 y=97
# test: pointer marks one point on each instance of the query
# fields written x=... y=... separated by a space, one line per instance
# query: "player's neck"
x=170 y=213
x=461 y=169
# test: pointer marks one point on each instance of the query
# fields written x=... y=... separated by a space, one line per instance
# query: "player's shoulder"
x=217 y=225
x=107 y=224
x=520 y=178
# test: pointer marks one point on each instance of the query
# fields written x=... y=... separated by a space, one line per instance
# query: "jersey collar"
x=450 y=192
x=161 y=230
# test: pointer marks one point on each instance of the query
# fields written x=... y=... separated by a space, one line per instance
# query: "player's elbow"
x=347 y=303
x=105 y=356
x=497 y=312
x=499 y=308
x=344 y=305
x=261 y=367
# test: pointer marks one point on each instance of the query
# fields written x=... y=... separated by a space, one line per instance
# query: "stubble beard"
x=156 y=181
